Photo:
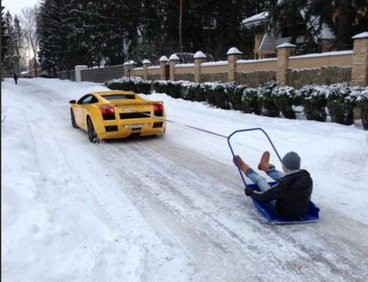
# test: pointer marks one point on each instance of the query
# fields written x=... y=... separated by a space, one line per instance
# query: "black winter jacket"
x=292 y=194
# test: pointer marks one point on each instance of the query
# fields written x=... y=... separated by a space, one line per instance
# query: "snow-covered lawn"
x=170 y=208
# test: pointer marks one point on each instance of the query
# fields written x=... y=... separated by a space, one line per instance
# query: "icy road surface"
x=170 y=208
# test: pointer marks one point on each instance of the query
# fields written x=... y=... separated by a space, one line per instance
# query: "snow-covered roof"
x=285 y=45
x=255 y=20
x=234 y=51
x=146 y=61
x=163 y=59
x=326 y=33
x=174 y=57
x=361 y=35
x=199 y=55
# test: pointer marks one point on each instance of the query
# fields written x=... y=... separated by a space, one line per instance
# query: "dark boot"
x=264 y=163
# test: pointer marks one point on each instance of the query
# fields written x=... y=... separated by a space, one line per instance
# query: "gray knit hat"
x=291 y=161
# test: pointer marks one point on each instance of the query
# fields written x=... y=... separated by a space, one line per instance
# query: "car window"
x=119 y=97
x=88 y=99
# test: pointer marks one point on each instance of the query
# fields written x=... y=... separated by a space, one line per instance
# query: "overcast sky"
x=15 y=6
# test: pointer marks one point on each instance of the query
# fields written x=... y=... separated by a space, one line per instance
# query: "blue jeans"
x=261 y=181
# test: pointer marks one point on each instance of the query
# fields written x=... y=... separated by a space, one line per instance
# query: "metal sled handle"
x=232 y=151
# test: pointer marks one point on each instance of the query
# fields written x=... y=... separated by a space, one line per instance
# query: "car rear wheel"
x=72 y=117
x=92 y=135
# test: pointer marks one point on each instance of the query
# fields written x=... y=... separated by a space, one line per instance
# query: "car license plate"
x=134 y=126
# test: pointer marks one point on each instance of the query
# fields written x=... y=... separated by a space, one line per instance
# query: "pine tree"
x=4 y=41
x=10 y=57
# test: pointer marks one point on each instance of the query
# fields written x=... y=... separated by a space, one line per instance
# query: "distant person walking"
x=15 y=78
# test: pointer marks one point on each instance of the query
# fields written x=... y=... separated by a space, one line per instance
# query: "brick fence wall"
x=324 y=68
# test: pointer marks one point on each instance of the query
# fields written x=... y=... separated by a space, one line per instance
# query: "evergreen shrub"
x=313 y=100
x=133 y=83
x=283 y=97
x=265 y=103
x=341 y=103
x=187 y=90
x=250 y=101
x=362 y=103
x=173 y=89
x=200 y=93
x=235 y=97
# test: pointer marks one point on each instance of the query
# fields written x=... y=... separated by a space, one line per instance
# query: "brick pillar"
x=163 y=60
x=199 y=57
x=283 y=54
x=145 y=63
x=126 y=69
x=131 y=68
x=359 y=75
x=174 y=59
x=232 y=57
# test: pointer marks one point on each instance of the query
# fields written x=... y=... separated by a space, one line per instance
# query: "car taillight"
x=107 y=110
x=158 y=107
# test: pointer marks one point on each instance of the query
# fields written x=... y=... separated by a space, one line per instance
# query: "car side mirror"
x=72 y=101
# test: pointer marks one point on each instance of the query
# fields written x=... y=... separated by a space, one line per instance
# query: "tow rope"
x=178 y=123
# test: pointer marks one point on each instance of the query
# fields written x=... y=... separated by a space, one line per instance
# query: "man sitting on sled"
x=291 y=195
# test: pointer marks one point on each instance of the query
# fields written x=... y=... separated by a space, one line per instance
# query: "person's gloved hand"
x=248 y=191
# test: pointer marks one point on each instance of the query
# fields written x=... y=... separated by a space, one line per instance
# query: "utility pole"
x=181 y=26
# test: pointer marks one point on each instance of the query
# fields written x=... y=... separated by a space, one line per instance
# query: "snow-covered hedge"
x=338 y=100
x=361 y=95
x=341 y=103
x=313 y=99
x=283 y=98
x=133 y=83
x=265 y=102
x=250 y=101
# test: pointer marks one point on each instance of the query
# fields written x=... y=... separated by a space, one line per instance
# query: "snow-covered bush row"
x=338 y=100
x=133 y=83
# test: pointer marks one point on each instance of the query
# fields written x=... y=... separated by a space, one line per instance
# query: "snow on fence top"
x=184 y=65
x=174 y=57
x=153 y=67
x=199 y=55
x=285 y=45
x=163 y=59
x=326 y=54
x=361 y=35
x=219 y=63
x=146 y=61
x=234 y=51
x=255 y=61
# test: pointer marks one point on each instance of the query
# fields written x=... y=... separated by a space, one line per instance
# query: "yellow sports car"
x=117 y=114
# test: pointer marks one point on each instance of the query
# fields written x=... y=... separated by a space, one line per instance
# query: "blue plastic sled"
x=264 y=208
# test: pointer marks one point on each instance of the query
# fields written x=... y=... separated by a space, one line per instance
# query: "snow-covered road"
x=170 y=208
